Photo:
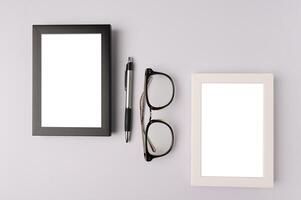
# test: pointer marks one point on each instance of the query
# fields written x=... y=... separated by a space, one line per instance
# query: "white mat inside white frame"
x=232 y=130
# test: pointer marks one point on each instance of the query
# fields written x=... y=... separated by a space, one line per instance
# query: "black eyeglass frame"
x=148 y=73
x=147 y=155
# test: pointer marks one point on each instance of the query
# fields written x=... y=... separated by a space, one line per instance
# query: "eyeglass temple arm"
x=144 y=138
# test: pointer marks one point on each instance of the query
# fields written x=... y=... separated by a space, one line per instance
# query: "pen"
x=128 y=99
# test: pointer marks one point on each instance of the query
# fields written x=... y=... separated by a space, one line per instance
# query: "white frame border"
x=267 y=181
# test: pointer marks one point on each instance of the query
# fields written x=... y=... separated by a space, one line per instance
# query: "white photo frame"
x=232 y=130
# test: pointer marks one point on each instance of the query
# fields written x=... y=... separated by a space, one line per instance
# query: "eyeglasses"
x=157 y=135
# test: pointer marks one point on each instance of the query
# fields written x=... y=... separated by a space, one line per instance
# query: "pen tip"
x=127 y=137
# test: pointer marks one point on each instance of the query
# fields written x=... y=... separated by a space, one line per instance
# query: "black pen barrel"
x=128 y=119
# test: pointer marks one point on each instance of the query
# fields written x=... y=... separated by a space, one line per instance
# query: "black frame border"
x=37 y=31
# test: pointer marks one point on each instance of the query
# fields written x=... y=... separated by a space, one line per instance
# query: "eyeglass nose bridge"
x=150 y=114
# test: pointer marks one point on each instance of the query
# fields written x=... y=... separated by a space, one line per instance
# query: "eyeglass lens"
x=161 y=137
x=160 y=90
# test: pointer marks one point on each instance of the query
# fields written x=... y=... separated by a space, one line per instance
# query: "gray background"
x=177 y=37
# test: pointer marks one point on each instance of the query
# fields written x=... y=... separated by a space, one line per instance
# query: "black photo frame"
x=105 y=129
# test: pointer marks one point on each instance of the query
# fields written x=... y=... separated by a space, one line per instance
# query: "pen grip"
x=128 y=119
